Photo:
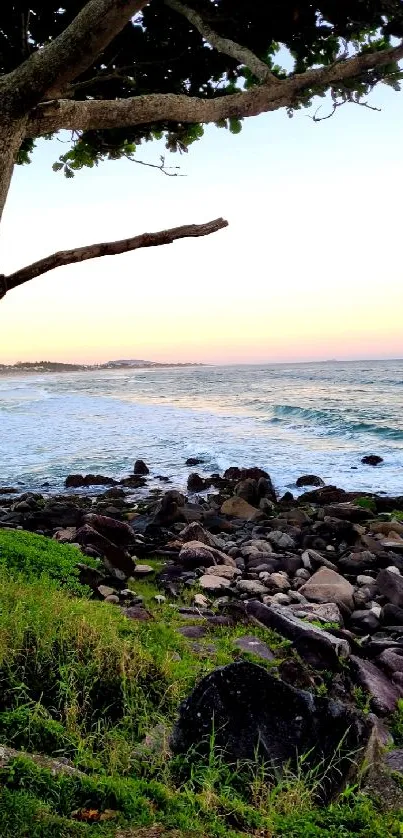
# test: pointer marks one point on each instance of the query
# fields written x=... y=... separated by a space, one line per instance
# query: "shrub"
x=32 y=556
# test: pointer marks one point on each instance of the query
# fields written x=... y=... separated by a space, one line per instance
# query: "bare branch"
x=53 y=116
x=241 y=54
x=61 y=61
x=166 y=170
x=92 y=251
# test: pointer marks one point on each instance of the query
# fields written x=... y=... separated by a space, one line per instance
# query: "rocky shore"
x=323 y=570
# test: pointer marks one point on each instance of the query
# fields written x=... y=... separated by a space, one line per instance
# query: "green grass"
x=80 y=680
x=32 y=556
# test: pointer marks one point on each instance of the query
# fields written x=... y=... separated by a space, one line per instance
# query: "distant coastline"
x=55 y=366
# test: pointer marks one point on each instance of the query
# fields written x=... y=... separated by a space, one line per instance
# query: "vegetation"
x=78 y=680
x=113 y=75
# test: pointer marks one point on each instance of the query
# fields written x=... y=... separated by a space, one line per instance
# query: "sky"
x=310 y=267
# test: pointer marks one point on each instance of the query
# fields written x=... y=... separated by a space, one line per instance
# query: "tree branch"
x=53 y=116
x=61 y=61
x=241 y=54
x=92 y=251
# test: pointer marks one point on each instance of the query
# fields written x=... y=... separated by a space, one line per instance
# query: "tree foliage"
x=159 y=51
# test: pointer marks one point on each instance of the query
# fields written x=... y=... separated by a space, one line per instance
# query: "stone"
x=392 y=615
x=201 y=601
x=223 y=570
x=214 y=584
x=281 y=540
x=196 y=554
x=364 y=621
x=77 y=481
x=137 y=612
x=384 y=694
x=66 y=535
x=196 y=483
x=371 y=460
x=140 y=468
x=113 y=599
x=194 y=461
x=327 y=586
x=309 y=480
x=251 y=587
x=365 y=580
x=319 y=648
x=120 y=532
x=385 y=527
x=278 y=581
x=195 y=532
x=143 y=570
x=390 y=586
x=251 y=644
x=105 y=590
x=247 y=489
x=116 y=560
x=324 y=495
x=327 y=612
x=193 y=632
x=253 y=713
x=236 y=507
x=390 y=661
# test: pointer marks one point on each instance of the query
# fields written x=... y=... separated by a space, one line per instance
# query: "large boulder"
x=309 y=480
x=141 y=468
x=120 y=532
x=116 y=559
x=237 y=507
x=372 y=460
x=197 y=554
x=319 y=648
x=328 y=586
x=251 y=712
x=78 y=481
x=383 y=693
x=390 y=586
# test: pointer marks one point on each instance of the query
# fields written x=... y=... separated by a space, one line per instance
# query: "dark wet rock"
x=317 y=647
x=194 y=461
x=137 y=612
x=115 y=492
x=324 y=495
x=237 y=507
x=196 y=554
x=250 y=643
x=195 y=483
x=254 y=712
x=384 y=694
x=195 y=532
x=372 y=460
x=77 y=481
x=141 y=468
x=392 y=615
x=120 y=532
x=348 y=512
x=133 y=481
x=390 y=586
x=364 y=622
x=236 y=474
x=90 y=576
x=391 y=661
x=116 y=559
x=8 y=490
x=309 y=480
x=193 y=632
x=357 y=563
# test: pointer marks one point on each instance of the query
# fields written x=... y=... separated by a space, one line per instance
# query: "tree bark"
x=11 y=136
x=92 y=251
x=158 y=107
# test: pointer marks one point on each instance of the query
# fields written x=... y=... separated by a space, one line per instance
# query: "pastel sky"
x=309 y=268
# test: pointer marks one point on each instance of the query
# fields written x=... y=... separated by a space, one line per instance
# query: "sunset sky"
x=310 y=266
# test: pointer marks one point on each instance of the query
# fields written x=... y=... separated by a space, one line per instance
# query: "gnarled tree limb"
x=61 y=61
x=50 y=117
x=92 y=251
x=241 y=54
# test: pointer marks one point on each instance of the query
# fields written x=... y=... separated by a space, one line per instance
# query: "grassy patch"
x=32 y=556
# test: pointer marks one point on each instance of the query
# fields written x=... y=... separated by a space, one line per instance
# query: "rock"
x=225 y=571
x=309 y=480
x=66 y=535
x=247 y=489
x=116 y=559
x=253 y=713
x=251 y=644
x=8 y=490
x=277 y=581
x=385 y=527
x=384 y=694
x=390 y=661
x=105 y=590
x=364 y=622
x=214 y=584
x=390 y=586
x=77 y=481
x=120 y=532
x=201 y=601
x=236 y=474
x=324 y=495
x=348 y=512
x=137 y=612
x=143 y=570
x=317 y=647
x=392 y=615
x=113 y=599
x=194 y=461
x=54 y=766
x=372 y=460
x=140 y=468
x=237 y=507
x=195 y=532
x=193 y=632
x=327 y=612
x=196 y=554
x=281 y=540
x=327 y=586
x=251 y=587
x=196 y=483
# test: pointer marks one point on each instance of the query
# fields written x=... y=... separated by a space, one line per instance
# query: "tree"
x=116 y=73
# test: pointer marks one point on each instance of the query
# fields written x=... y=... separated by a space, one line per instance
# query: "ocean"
x=290 y=419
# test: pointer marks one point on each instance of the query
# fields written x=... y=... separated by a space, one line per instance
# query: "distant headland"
x=56 y=366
